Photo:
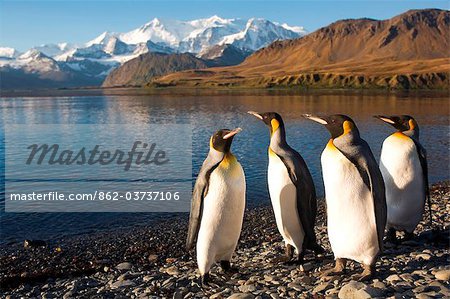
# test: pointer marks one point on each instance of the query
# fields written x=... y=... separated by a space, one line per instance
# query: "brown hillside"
x=143 y=68
x=414 y=44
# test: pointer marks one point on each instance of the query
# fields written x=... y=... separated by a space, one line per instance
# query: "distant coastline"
x=206 y=91
x=309 y=80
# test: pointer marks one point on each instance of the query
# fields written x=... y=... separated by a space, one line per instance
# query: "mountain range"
x=138 y=71
x=408 y=51
x=67 y=65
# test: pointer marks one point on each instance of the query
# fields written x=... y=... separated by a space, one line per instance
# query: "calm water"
x=207 y=113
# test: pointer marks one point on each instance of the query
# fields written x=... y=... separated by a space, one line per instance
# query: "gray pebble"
x=322 y=288
x=295 y=286
x=359 y=290
x=247 y=288
x=122 y=283
x=393 y=278
x=123 y=266
x=241 y=296
x=306 y=267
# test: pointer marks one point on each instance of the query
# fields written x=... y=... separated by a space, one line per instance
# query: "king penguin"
x=217 y=207
x=291 y=190
x=403 y=163
x=354 y=194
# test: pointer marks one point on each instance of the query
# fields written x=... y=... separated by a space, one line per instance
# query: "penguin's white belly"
x=350 y=209
x=283 y=195
x=403 y=177
x=223 y=212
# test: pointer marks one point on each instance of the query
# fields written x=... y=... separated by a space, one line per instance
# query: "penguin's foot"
x=318 y=249
x=206 y=280
x=289 y=251
x=300 y=259
x=339 y=268
x=368 y=273
x=287 y=257
x=437 y=237
x=391 y=236
x=226 y=267
x=408 y=236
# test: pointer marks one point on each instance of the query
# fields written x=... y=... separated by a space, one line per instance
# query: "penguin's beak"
x=256 y=114
x=386 y=119
x=315 y=118
x=232 y=133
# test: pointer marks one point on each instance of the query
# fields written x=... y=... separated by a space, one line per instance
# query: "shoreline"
x=145 y=91
x=152 y=260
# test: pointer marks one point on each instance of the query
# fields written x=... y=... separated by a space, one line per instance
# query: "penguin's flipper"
x=199 y=193
x=306 y=193
x=361 y=156
x=423 y=162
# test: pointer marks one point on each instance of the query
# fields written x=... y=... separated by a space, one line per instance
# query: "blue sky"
x=24 y=24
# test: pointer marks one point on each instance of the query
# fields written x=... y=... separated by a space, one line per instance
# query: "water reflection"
x=206 y=113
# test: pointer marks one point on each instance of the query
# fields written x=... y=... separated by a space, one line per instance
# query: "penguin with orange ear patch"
x=292 y=191
x=355 y=196
x=218 y=204
x=403 y=163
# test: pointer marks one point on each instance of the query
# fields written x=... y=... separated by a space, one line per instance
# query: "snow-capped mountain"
x=8 y=53
x=31 y=61
x=36 y=61
x=199 y=35
x=224 y=55
x=98 y=56
x=259 y=33
x=34 y=69
x=55 y=49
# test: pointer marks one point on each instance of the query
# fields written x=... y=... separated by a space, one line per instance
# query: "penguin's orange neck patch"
x=271 y=152
x=330 y=145
x=412 y=124
x=347 y=126
x=400 y=135
x=275 y=125
x=228 y=160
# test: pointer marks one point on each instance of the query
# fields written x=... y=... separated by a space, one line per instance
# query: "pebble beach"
x=151 y=262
